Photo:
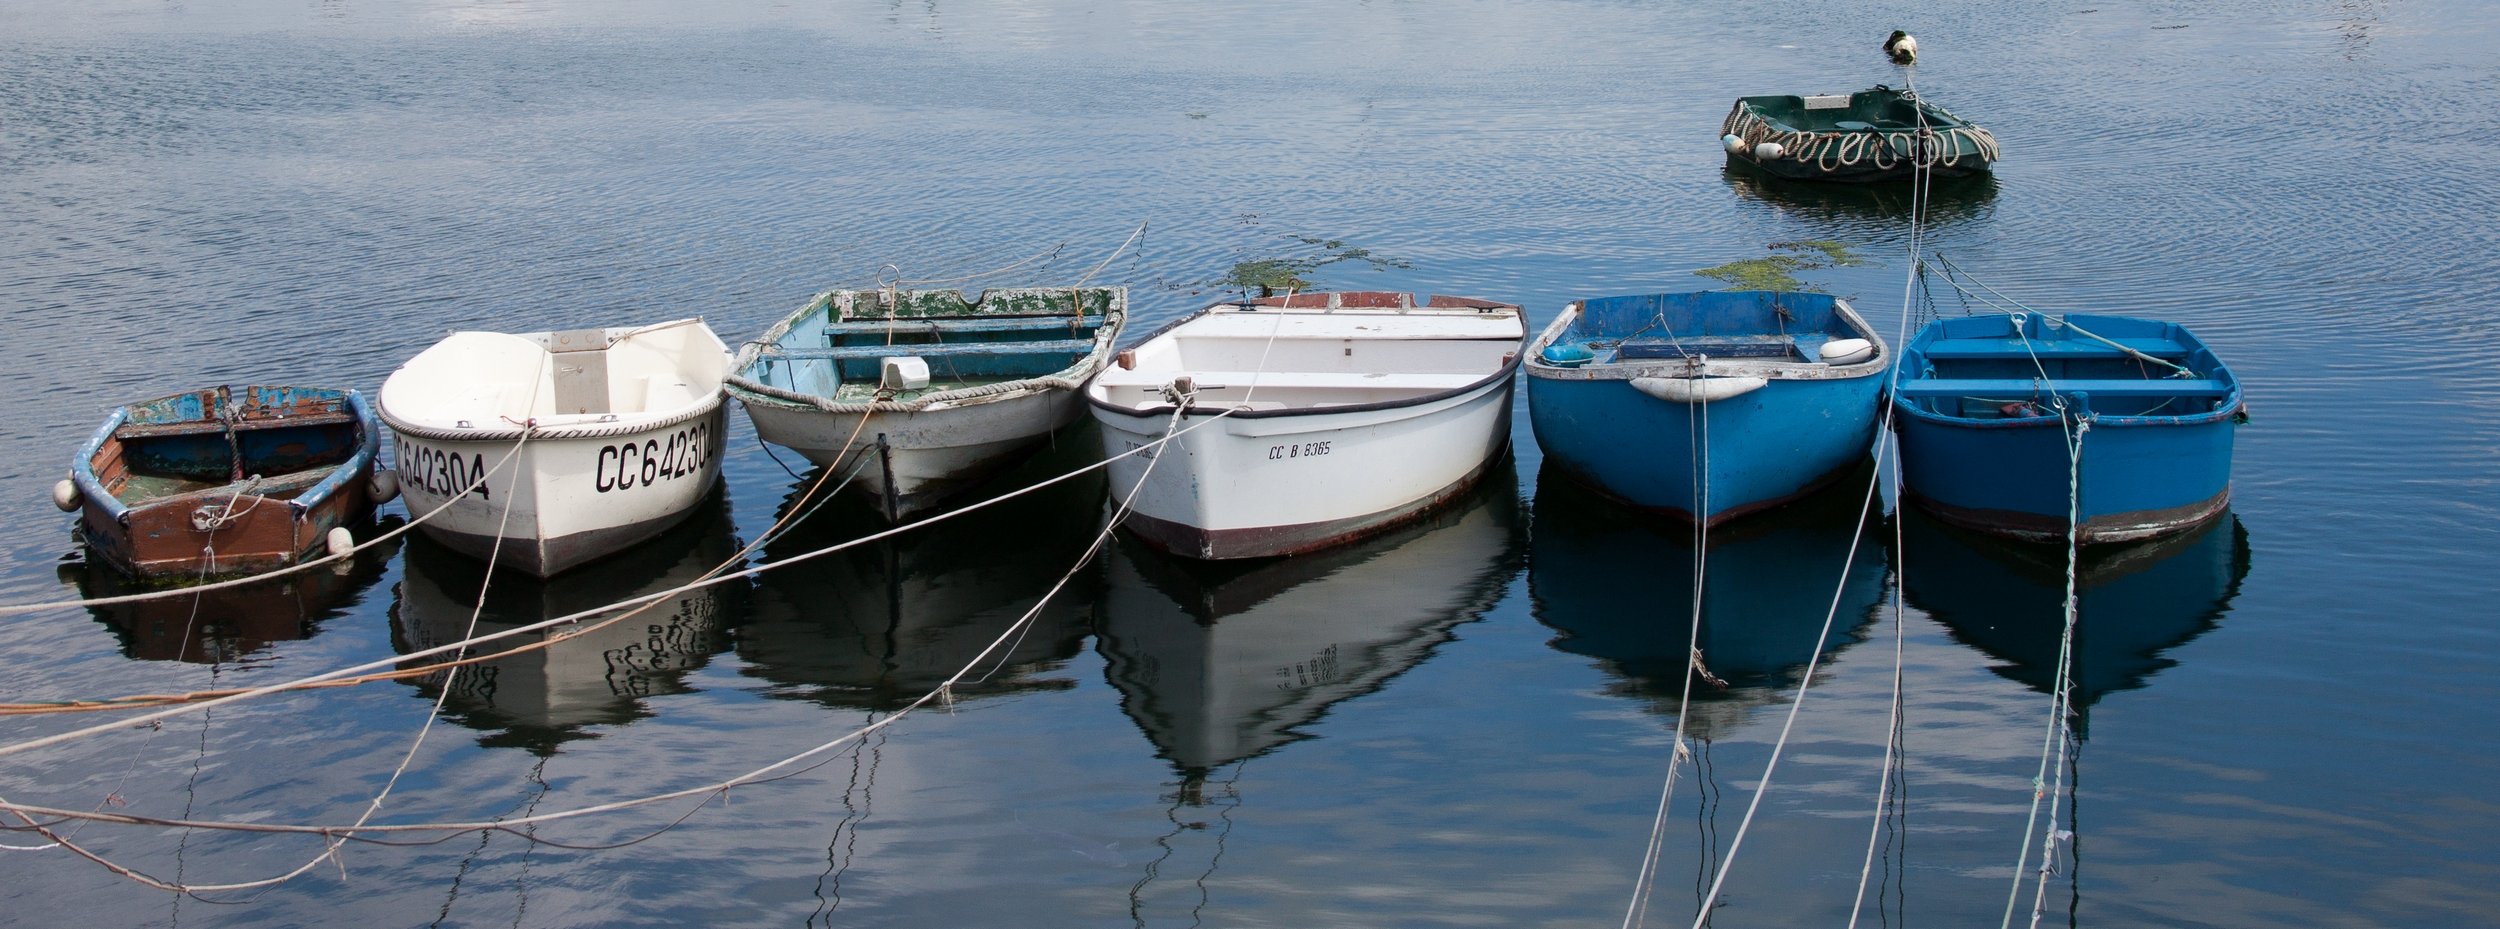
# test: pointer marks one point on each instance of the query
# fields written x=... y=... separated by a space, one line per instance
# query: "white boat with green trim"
x=918 y=394
x=579 y=442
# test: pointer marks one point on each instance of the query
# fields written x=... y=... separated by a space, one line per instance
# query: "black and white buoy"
x=1902 y=48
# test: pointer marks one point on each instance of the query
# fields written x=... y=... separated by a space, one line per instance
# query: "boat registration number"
x=441 y=473
x=628 y=465
x=1303 y=450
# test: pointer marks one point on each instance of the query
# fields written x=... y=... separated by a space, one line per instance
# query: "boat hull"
x=280 y=514
x=930 y=455
x=1706 y=406
x=958 y=387
x=1756 y=451
x=1285 y=485
x=2009 y=478
x=563 y=500
x=1861 y=173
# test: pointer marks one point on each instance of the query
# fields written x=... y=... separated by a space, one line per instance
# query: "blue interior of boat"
x=2000 y=367
x=969 y=349
x=204 y=439
x=1718 y=324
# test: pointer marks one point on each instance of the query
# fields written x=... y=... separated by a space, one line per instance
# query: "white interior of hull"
x=1315 y=359
x=494 y=379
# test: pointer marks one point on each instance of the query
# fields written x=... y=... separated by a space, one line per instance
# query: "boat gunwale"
x=366 y=457
x=1507 y=371
x=613 y=425
x=2229 y=405
x=561 y=426
x=1938 y=117
x=1689 y=369
x=1071 y=378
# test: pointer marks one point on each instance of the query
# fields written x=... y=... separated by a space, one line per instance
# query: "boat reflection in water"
x=229 y=624
x=1859 y=211
x=879 y=625
x=1219 y=662
x=549 y=693
x=2136 y=601
x=1618 y=586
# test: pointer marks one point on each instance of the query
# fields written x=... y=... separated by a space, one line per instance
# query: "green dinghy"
x=1878 y=134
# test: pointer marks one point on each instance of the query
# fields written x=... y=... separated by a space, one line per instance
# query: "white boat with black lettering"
x=1343 y=414
x=622 y=429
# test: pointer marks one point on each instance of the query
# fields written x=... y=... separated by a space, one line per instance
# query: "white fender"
x=1769 y=151
x=383 y=486
x=65 y=495
x=340 y=541
x=1697 y=389
x=1845 y=351
x=1732 y=143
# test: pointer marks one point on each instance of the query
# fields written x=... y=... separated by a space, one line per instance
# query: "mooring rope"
x=298 y=567
x=2061 y=698
x=1882 y=446
x=330 y=850
x=1697 y=440
x=1921 y=194
x=789 y=519
x=773 y=771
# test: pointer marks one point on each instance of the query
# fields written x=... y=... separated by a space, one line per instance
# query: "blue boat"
x=1706 y=405
x=1986 y=404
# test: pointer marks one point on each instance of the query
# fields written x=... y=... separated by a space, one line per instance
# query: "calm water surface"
x=2284 y=718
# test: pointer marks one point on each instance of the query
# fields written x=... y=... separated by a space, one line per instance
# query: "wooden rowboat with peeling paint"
x=1708 y=405
x=224 y=480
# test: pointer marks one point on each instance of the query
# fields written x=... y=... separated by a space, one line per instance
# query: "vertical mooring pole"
x=885 y=463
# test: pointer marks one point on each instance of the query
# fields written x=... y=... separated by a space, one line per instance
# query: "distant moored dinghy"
x=622 y=429
x=1880 y=134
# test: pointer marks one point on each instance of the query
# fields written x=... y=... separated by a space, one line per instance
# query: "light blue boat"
x=1985 y=405
x=1706 y=405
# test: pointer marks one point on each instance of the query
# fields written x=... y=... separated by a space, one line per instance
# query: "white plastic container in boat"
x=624 y=429
x=1342 y=414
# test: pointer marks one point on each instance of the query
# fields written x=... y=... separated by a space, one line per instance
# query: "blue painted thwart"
x=1778 y=390
x=1984 y=405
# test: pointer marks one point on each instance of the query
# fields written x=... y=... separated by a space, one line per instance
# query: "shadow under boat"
x=2136 y=602
x=571 y=677
x=1219 y=662
x=1865 y=206
x=879 y=625
x=228 y=624
x=1617 y=585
